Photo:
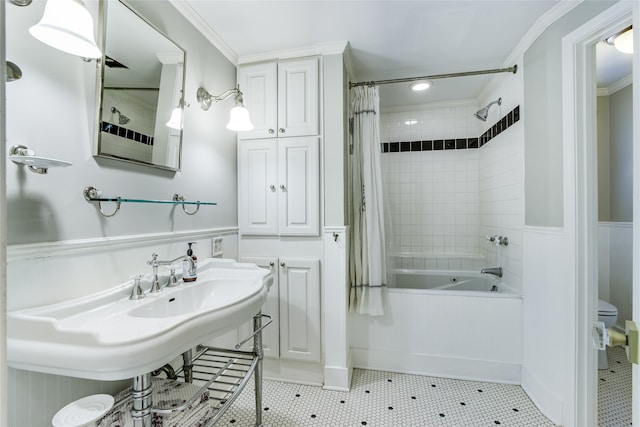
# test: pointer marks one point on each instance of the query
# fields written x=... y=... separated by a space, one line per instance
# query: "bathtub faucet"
x=496 y=271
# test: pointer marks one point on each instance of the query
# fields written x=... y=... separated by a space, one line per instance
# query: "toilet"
x=608 y=314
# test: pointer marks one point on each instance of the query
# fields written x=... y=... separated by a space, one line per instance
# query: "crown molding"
x=329 y=48
x=517 y=54
x=620 y=84
x=616 y=86
x=348 y=62
x=551 y=16
x=192 y=16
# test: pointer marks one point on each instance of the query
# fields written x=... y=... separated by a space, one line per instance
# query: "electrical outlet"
x=217 y=247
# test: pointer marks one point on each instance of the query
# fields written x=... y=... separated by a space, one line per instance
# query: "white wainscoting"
x=615 y=267
x=546 y=279
x=50 y=272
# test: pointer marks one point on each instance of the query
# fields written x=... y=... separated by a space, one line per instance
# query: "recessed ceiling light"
x=410 y=122
x=420 y=85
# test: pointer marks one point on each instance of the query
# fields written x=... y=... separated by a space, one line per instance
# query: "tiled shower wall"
x=432 y=196
x=442 y=202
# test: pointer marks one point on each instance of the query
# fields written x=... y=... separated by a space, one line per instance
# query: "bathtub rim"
x=509 y=292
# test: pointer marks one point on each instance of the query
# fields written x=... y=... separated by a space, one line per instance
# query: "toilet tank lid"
x=605 y=307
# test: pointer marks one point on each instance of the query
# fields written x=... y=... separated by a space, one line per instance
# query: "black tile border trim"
x=511 y=118
x=126 y=133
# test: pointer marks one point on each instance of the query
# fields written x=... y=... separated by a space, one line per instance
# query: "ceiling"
x=388 y=39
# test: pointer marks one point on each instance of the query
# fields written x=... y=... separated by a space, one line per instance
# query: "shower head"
x=122 y=119
x=484 y=112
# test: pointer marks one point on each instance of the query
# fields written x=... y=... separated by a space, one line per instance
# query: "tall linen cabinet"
x=279 y=207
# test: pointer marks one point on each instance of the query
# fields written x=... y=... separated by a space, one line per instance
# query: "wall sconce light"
x=623 y=41
x=239 y=116
x=175 y=121
x=67 y=25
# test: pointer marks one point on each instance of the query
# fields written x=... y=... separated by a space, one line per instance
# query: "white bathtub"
x=443 y=323
x=440 y=280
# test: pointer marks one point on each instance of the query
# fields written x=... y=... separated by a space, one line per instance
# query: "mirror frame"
x=100 y=71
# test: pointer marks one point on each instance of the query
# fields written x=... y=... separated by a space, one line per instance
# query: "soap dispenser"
x=189 y=275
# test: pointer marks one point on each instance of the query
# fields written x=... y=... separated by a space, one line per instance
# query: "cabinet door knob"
x=271 y=131
x=271 y=264
x=282 y=130
x=282 y=187
x=282 y=264
x=272 y=187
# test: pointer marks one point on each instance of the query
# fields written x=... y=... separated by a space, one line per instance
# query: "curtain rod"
x=513 y=70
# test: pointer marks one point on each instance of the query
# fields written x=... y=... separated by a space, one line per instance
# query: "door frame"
x=581 y=206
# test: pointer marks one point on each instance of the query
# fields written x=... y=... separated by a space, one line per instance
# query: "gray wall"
x=621 y=155
x=3 y=234
x=542 y=115
x=51 y=110
x=604 y=200
x=615 y=161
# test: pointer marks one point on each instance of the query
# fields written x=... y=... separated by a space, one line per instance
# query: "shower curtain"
x=367 y=260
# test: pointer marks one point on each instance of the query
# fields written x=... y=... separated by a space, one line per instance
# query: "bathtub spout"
x=496 y=271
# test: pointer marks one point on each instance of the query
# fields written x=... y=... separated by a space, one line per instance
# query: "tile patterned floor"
x=614 y=390
x=387 y=399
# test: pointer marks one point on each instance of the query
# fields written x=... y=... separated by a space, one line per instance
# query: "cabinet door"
x=298 y=91
x=298 y=186
x=299 y=309
x=258 y=83
x=257 y=191
x=270 y=334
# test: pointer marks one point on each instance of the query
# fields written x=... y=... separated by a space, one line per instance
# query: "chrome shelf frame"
x=222 y=372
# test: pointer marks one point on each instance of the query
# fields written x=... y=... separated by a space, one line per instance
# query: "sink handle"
x=136 y=291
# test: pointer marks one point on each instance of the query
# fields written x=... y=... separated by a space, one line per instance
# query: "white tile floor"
x=614 y=390
x=389 y=399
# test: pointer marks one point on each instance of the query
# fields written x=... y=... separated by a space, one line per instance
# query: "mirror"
x=141 y=81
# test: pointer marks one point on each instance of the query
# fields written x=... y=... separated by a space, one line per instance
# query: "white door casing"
x=580 y=188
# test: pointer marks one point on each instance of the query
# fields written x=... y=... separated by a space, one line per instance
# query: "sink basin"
x=209 y=294
x=107 y=336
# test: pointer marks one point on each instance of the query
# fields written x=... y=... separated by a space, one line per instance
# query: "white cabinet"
x=279 y=186
x=282 y=98
x=294 y=304
x=299 y=309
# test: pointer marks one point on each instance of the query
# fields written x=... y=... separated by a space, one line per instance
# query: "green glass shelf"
x=166 y=202
x=92 y=194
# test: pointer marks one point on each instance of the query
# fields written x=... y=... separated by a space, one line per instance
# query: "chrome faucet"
x=155 y=263
x=496 y=271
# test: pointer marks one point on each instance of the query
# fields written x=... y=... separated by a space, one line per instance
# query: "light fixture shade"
x=624 y=42
x=239 y=119
x=68 y=26
x=175 y=121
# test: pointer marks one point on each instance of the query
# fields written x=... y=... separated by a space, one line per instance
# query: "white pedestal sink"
x=107 y=336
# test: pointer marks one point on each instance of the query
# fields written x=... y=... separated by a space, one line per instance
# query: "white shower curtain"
x=367 y=265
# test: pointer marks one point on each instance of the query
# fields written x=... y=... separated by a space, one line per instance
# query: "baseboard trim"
x=545 y=400
x=438 y=366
